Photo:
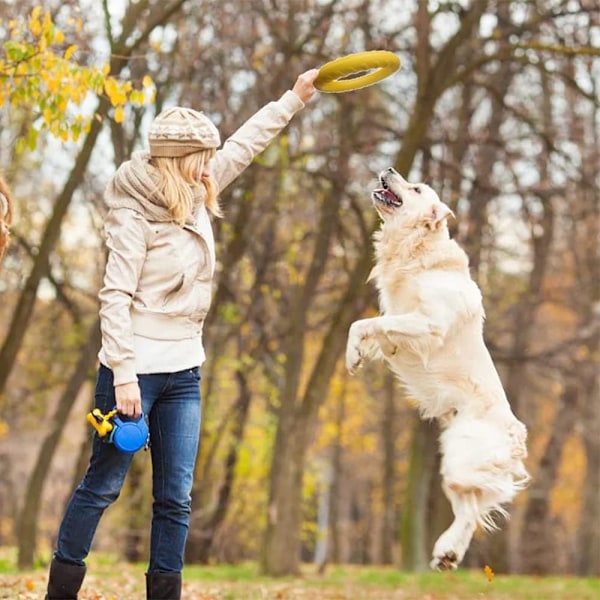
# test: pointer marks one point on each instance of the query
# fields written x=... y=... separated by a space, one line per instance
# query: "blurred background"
x=496 y=106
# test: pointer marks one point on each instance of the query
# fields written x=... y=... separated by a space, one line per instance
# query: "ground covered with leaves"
x=111 y=580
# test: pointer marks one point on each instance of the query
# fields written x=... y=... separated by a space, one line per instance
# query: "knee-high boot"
x=64 y=580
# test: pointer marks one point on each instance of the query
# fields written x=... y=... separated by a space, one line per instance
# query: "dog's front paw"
x=445 y=562
x=355 y=348
x=354 y=358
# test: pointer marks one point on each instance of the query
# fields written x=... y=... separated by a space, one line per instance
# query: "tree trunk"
x=282 y=537
x=588 y=539
x=280 y=554
x=537 y=540
x=389 y=436
x=202 y=537
x=281 y=548
x=135 y=537
x=28 y=518
x=414 y=527
x=337 y=475
x=588 y=543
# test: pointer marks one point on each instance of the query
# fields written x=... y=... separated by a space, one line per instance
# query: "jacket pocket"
x=175 y=289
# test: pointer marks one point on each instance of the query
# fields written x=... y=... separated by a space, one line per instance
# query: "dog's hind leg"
x=451 y=546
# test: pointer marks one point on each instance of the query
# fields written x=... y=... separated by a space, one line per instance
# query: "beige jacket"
x=158 y=277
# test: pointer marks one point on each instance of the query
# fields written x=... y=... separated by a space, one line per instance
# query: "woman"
x=156 y=294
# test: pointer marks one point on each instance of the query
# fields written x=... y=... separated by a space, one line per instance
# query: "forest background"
x=495 y=105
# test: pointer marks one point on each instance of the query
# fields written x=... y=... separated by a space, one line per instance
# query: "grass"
x=109 y=579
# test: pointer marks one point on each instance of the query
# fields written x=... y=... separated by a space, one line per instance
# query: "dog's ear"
x=437 y=214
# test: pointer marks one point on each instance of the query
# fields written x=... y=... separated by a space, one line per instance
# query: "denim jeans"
x=171 y=402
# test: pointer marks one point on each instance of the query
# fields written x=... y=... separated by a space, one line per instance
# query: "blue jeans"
x=171 y=402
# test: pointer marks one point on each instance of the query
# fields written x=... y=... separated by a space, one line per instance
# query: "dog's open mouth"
x=386 y=196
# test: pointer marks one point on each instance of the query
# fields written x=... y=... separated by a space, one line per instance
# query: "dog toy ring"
x=336 y=76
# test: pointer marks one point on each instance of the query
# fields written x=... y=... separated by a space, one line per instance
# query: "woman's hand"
x=304 y=87
x=129 y=399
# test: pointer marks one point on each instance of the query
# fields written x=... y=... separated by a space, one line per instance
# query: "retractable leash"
x=127 y=436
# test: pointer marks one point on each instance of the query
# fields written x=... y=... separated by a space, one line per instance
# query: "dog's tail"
x=495 y=493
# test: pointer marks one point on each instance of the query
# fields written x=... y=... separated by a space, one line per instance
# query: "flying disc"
x=336 y=76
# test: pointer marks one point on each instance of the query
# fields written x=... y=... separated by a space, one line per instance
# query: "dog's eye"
x=417 y=189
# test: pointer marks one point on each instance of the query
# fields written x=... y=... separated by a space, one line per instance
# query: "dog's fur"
x=431 y=336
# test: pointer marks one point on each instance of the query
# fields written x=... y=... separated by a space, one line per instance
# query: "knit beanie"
x=181 y=131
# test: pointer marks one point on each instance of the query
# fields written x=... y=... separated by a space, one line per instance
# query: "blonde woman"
x=156 y=294
x=5 y=215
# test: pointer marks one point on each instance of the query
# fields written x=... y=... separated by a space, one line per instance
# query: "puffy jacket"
x=158 y=277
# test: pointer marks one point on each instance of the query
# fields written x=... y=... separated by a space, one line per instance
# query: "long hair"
x=179 y=176
x=5 y=215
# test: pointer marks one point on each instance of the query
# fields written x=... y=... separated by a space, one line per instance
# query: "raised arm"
x=259 y=130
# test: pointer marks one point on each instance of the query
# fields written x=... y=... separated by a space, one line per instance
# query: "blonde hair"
x=178 y=176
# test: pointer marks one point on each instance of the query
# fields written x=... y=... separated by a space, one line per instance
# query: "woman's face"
x=205 y=171
x=202 y=170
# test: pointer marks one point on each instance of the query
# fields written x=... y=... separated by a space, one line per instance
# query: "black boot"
x=64 y=580
x=163 y=586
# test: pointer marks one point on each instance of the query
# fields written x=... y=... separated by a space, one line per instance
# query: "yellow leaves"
x=115 y=92
x=119 y=114
x=488 y=573
x=137 y=97
x=48 y=116
x=35 y=26
x=38 y=75
x=69 y=52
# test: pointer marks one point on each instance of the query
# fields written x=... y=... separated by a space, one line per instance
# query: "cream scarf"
x=134 y=186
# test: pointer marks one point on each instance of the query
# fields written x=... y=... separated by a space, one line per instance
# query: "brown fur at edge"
x=5 y=216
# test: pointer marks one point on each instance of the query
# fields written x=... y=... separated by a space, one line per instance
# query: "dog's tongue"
x=388 y=195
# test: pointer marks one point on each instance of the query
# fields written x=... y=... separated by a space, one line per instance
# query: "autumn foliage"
x=39 y=73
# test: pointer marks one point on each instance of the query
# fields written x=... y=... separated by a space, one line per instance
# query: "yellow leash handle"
x=100 y=422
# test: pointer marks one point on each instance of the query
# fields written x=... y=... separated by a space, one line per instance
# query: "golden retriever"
x=430 y=334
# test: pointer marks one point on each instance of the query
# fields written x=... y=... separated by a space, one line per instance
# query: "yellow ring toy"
x=332 y=76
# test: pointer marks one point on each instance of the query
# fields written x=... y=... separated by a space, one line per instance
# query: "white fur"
x=430 y=334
